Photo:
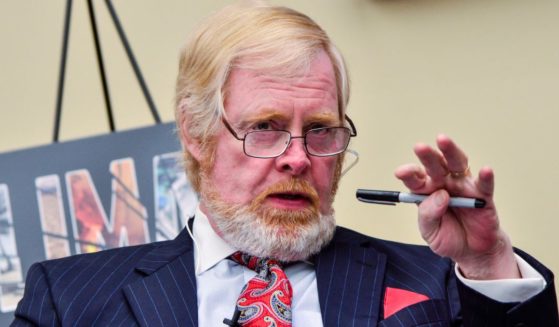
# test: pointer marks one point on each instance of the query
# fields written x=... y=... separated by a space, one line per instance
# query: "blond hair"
x=249 y=35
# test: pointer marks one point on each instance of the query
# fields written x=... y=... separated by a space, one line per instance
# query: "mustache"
x=293 y=186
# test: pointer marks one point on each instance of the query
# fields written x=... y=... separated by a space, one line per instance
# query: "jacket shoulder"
x=85 y=260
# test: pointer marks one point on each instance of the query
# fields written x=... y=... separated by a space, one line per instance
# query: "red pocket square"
x=396 y=299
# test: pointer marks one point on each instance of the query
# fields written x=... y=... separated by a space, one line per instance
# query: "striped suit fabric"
x=155 y=285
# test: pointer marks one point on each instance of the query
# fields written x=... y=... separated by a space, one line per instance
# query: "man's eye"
x=316 y=126
x=319 y=130
x=262 y=126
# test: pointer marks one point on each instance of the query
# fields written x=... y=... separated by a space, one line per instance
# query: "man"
x=261 y=109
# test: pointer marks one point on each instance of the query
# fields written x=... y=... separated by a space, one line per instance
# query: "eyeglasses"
x=320 y=142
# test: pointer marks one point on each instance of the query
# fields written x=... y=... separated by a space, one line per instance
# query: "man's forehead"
x=318 y=80
x=320 y=64
x=310 y=94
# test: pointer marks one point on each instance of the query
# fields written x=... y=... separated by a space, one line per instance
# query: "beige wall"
x=483 y=71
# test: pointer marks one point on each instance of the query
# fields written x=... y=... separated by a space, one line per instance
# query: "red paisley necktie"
x=266 y=298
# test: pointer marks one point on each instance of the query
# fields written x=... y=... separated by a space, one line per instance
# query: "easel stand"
x=99 y=53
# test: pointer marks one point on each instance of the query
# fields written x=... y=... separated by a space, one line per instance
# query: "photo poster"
x=118 y=189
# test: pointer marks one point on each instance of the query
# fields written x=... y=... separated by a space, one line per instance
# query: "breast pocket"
x=426 y=313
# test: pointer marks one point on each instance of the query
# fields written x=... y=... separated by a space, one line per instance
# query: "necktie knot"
x=267 y=296
x=261 y=266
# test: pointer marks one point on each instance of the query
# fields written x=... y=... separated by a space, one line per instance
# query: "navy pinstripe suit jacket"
x=155 y=285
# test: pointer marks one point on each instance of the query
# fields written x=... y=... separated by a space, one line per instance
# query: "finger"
x=431 y=211
x=413 y=176
x=456 y=159
x=486 y=181
x=432 y=160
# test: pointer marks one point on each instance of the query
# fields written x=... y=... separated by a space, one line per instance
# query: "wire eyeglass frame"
x=351 y=132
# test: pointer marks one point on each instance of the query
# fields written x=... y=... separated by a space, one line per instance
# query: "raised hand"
x=471 y=237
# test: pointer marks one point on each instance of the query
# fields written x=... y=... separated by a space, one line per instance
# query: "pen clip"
x=389 y=203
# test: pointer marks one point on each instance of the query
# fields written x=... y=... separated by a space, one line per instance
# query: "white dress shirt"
x=219 y=281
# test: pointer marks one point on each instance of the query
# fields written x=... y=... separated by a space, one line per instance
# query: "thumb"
x=430 y=213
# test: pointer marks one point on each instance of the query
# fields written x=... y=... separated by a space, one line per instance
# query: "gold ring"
x=460 y=174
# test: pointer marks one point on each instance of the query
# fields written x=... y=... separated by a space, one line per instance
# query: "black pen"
x=391 y=197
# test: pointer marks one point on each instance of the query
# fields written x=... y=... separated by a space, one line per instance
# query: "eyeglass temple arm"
x=230 y=129
x=353 y=129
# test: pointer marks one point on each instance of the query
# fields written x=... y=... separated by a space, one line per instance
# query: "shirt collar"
x=210 y=248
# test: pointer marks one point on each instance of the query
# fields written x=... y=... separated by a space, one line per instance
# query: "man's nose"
x=295 y=160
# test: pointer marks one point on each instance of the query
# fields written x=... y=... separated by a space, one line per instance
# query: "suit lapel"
x=350 y=279
x=166 y=296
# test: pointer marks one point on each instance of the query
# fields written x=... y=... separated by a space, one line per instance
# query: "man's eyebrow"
x=325 y=118
x=265 y=115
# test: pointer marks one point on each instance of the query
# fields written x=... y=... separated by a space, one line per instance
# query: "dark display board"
x=124 y=188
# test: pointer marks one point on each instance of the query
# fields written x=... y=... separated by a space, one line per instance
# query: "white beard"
x=247 y=232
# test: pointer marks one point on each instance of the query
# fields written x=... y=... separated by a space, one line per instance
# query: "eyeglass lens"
x=319 y=142
x=327 y=141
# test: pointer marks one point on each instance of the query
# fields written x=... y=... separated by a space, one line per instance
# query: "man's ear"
x=191 y=144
